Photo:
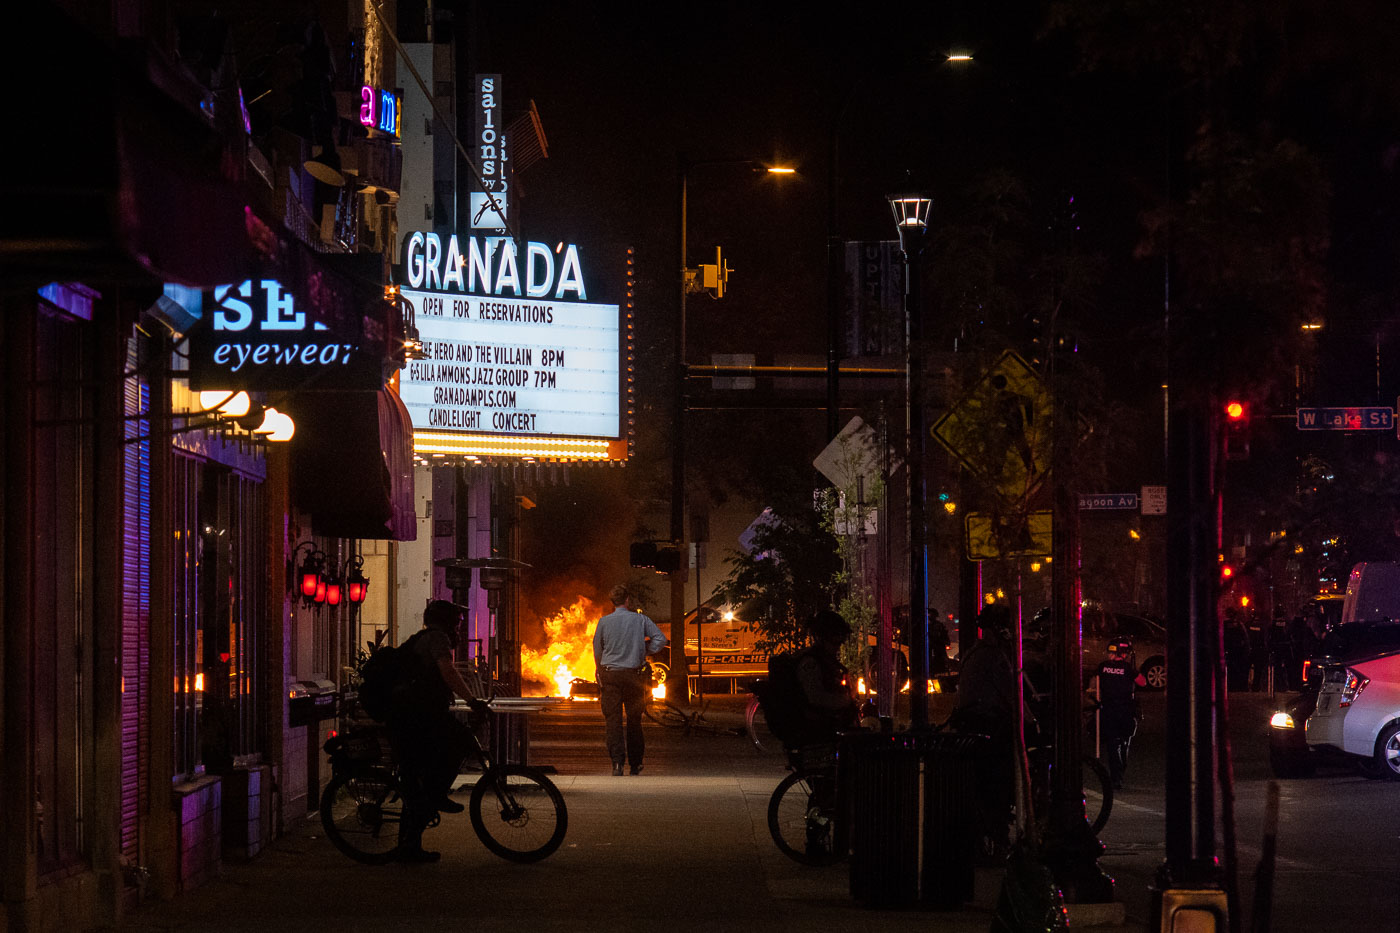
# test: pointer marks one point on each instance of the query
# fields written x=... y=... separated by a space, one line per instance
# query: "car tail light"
x=1307 y=666
x=1351 y=688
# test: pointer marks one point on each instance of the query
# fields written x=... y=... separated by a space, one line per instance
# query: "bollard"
x=1264 y=874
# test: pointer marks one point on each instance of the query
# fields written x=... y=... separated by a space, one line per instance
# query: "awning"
x=352 y=464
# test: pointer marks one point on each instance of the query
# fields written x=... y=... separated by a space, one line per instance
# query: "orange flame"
x=568 y=654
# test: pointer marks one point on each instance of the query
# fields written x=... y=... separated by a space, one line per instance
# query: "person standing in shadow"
x=621 y=643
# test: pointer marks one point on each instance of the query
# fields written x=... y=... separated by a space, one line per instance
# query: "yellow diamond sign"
x=1000 y=429
x=990 y=537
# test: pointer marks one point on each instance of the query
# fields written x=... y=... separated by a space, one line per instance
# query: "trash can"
x=908 y=802
x=310 y=701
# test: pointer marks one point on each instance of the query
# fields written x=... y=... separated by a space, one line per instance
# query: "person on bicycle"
x=428 y=740
x=1118 y=680
x=828 y=705
x=986 y=705
x=621 y=643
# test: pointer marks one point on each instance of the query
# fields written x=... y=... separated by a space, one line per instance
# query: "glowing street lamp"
x=911 y=212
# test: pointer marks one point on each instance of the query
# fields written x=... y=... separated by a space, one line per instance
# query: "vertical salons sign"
x=488 y=195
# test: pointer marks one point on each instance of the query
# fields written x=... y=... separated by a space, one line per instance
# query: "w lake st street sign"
x=1346 y=419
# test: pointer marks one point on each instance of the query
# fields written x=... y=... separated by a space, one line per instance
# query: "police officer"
x=1118 y=680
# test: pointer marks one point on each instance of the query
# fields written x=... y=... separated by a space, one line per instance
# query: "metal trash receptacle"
x=908 y=802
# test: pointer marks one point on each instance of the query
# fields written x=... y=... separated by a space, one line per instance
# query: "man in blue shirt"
x=621 y=643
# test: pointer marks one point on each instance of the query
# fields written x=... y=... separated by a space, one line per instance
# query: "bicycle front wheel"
x=1098 y=793
x=361 y=812
x=518 y=813
x=666 y=715
x=757 y=726
x=802 y=826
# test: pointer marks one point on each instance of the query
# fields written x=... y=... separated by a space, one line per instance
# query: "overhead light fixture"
x=309 y=575
x=275 y=426
x=356 y=583
x=324 y=166
x=225 y=403
x=910 y=213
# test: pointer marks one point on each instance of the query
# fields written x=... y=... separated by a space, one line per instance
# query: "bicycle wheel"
x=518 y=813
x=361 y=811
x=803 y=829
x=1098 y=793
x=666 y=715
x=756 y=726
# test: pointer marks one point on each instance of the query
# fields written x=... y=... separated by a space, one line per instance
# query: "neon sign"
x=379 y=110
x=253 y=336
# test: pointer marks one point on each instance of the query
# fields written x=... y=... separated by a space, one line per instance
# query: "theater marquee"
x=520 y=363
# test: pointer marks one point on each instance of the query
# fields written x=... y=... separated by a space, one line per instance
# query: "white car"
x=1358 y=712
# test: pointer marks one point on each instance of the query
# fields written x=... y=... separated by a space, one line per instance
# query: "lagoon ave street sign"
x=1093 y=502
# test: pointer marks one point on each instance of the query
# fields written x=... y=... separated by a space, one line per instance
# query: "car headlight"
x=1281 y=720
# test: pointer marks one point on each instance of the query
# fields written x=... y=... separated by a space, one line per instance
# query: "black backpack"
x=781 y=698
x=395 y=679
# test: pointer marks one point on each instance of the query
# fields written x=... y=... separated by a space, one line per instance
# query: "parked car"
x=1373 y=592
x=1289 y=752
x=1149 y=638
x=1358 y=713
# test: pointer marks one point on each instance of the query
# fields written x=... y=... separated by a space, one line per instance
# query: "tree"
x=784 y=578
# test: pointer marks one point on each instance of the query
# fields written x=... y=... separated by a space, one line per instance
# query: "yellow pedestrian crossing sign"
x=990 y=537
x=1000 y=429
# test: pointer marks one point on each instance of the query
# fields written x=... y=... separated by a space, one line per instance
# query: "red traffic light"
x=1234 y=410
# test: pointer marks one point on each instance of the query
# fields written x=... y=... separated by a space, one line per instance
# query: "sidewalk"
x=682 y=847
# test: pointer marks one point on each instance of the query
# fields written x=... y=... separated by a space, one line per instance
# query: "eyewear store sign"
x=255 y=336
x=513 y=345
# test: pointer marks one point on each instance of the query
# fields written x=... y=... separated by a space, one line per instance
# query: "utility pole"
x=1071 y=848
x=678 y=680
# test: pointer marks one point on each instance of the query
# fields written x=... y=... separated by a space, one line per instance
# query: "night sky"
x=622 y=91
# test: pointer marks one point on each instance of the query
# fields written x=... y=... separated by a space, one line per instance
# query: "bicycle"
x=1094 y=779
x=516 y=811
x=756 y=727
x=803 y=815
x=673 y=717
x=1098 y=787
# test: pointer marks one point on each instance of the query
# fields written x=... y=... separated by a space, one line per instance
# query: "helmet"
x=828 y=623
x=996 y=620
x=1121 y=645
x=444 y=614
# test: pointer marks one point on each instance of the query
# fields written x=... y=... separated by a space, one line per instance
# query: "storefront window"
x=219 y=598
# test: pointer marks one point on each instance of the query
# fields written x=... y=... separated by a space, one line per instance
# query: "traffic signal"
x=668 y=558
x=1236 y=430
x=653 y=555
x=643 y=554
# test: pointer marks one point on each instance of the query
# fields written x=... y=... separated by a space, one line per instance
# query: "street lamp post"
x=680 y=674
x=911 y=220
